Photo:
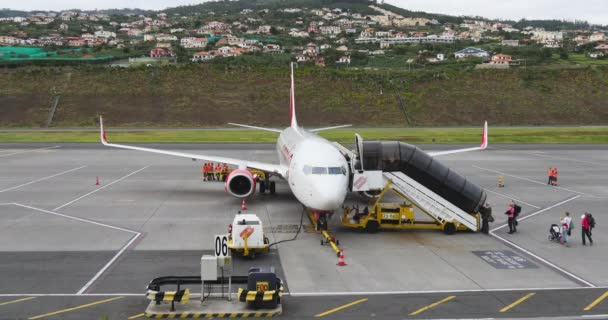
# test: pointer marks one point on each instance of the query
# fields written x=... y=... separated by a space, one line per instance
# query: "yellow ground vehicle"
x=393 y=216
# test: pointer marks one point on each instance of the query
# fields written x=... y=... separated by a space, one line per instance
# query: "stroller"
x=554 y=233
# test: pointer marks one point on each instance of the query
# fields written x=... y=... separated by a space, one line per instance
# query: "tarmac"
x=71 y=249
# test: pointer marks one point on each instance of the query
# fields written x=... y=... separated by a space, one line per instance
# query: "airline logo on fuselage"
x=286 y=153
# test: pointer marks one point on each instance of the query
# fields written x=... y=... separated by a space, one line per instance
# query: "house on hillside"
x=158 y=53
x=471 y=52
x=501 y=59
x=320 y=61
x=597 y=37
x=602 y=47
x=344 y=59
x=202 y=56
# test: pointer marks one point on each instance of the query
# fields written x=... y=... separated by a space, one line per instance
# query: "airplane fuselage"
x=317 y=172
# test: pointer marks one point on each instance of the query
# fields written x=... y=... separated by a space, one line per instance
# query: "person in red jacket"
x=511 y=218
x=586 y=229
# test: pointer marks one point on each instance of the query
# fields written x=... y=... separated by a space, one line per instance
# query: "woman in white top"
x=565 y=226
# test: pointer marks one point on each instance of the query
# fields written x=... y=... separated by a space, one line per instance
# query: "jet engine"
x=240 y=183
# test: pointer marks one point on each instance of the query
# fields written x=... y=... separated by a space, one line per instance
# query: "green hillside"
x=211 y=95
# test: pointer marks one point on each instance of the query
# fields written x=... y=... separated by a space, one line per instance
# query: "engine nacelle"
x=240 y=183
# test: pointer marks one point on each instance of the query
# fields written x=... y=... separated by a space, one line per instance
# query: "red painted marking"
x=247 y=231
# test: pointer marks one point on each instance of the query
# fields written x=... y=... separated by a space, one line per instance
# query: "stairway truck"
x=390 y=156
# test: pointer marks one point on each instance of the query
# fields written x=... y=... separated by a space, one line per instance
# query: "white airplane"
x=316 y=169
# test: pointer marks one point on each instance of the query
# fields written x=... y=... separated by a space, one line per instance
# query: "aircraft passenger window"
x=319 y=170
x=336 y=170
x=307 y=170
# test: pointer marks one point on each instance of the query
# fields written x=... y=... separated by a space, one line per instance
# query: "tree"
x=563 y=55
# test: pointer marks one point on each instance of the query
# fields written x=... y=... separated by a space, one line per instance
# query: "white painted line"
x=45 y=178
x=76 y=218
x=550 y=264
x=100 y=272
x=539 y=211
x=74 y=295
x=32 y=150
x=600 y=316
x=98 y=189
x=362 y=293
x=530 y=180
x=513 y=198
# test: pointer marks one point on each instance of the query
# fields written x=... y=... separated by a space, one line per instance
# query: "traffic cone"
x=96 y=181
x=341 y=262
x=243 y=205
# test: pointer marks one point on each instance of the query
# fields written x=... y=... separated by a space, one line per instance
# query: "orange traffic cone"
x=341 y=262
x=96 y=181
x=243 y=205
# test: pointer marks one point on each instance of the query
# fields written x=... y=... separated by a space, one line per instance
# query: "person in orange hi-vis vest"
x=218 y=171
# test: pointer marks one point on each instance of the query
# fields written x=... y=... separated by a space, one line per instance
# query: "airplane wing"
x=330 y=128
x=266 y=167
x=484 y=145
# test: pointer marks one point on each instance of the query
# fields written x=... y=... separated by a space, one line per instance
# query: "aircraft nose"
x=330 y=198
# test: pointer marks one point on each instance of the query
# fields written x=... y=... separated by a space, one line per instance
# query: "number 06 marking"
x=221 y=246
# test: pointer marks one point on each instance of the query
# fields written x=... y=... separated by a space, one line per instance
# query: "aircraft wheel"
x=372 y=226
x=262 y=187
x=272 y=187
x=449 y=228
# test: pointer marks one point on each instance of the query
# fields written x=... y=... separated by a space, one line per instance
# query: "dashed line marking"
x=17 y=301
x=517 y=302
x=432 y=305
x=340 y=308
x=596 y=301
x=74 y=308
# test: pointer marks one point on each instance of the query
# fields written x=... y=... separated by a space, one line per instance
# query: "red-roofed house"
x=344 y=59
x=160 y=53
x=202 y=56
x=501 y=59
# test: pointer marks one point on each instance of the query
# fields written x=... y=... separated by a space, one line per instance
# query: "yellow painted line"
x=137 y=316
x=340 y=308
x=518 y=301
x=432 y=305
x=596 y=302
x=15 y=301
x=74 y=308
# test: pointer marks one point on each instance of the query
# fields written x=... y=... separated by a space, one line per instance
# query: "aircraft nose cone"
x=330 y=198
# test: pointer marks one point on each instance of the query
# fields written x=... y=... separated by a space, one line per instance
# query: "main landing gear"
x=266 y=184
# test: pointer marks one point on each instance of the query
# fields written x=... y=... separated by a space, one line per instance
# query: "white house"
x=471 y=52
x=192 y=42
x=344 y=59
x=202 y=56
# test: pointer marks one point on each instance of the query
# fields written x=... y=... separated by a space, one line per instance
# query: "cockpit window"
x=307 y=170
x=319 y=170
x=324 y=170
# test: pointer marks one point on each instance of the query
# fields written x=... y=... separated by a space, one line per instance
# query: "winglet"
x=292 y=102
x=102 y=132
x=484 y=136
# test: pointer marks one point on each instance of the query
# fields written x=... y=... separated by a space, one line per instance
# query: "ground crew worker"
x=218 y=171
x=550 y=174
x=555 y=172
x=207 y=177
x=224 y=172
x=204 y=171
